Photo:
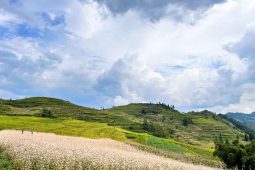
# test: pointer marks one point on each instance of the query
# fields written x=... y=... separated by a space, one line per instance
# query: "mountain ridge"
x=248 y=119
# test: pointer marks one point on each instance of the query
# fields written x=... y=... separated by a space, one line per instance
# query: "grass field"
x=61 y=126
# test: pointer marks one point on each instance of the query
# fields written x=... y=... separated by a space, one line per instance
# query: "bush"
x=156 y=129
x=5 y=162
x=46 y=113
x=186 y=121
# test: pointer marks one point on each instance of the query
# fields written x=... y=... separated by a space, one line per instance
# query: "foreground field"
x=49 y=151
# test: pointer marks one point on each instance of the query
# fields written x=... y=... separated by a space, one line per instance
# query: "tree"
x=220 y=138
x=236 y=155
x=146 y=125
x=246 y=137
x=251 y=136
x=250 y=156
x=186 y=121
x=46 y=113
x=143 y=111
x=230 y=154
x=156 y=129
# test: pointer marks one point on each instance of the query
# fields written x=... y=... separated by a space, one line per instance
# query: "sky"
x=194 y=54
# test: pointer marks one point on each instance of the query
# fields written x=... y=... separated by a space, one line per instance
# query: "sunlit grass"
x=62 y=126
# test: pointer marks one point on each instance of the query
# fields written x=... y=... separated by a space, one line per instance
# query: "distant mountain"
x=247 y=119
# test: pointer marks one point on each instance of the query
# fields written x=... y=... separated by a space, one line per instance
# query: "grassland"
x=61 y=126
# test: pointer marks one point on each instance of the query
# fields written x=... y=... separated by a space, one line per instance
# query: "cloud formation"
x=193 y=54
x=156 y=9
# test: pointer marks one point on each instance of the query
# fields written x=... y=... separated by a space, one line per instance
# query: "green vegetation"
x=46 y=113
x=194 y=127
x=5 y=163
x=236 y=155
x=186 y=121
x=156 y=129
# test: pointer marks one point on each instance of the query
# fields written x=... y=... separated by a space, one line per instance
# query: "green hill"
x=157 y=128
x=197 y=128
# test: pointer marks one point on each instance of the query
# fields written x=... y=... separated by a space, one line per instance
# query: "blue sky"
x=195 y=54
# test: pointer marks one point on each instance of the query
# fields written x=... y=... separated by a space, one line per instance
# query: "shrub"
x=156 y=129
x=186 y=121
x=46 y=113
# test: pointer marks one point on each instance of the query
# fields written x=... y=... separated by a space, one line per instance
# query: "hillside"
x=155 y=128
x=247 y=119
x=197 y=128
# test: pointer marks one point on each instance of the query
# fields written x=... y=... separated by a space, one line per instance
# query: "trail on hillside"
x=50 y=151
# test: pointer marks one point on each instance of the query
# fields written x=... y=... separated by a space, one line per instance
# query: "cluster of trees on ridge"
x=157 y=130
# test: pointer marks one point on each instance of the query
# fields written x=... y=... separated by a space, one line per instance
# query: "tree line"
x=236 y=155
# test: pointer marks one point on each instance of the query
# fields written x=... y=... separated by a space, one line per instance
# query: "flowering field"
x=49 y=151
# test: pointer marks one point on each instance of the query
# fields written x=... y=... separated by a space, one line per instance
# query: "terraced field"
x=209 y=130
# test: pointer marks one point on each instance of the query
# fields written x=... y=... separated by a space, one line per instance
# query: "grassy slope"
x=63 y=109
x=122 y=123
x=61 y=126
x=206 y=126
